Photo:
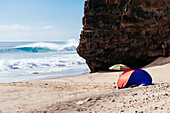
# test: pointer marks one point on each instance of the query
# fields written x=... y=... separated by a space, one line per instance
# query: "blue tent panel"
x=138 y=77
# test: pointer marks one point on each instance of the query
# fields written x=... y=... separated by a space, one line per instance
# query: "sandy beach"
x=89 y=93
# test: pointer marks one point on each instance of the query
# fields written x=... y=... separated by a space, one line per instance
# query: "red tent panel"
x=123 y=79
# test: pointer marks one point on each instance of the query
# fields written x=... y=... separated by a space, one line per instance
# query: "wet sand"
x=87 y=93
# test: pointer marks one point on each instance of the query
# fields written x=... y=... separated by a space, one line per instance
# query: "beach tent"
x=133 y=77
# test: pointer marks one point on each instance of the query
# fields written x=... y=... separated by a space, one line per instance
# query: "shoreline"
x=42 y=76
x=87 y=93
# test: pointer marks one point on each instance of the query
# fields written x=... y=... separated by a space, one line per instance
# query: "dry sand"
x=89 y=93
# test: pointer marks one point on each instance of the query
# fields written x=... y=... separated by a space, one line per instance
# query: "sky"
x=40 y=20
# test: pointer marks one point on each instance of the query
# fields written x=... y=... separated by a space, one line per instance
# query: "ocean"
x=21 y=61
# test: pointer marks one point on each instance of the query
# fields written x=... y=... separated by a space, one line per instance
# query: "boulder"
x=131 y=32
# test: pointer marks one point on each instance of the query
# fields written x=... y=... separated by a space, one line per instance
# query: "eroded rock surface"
x=131 y=32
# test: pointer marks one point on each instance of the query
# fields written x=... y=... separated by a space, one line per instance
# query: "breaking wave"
x=42 y=47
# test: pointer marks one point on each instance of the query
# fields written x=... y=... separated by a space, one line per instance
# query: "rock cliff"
x=131 y=32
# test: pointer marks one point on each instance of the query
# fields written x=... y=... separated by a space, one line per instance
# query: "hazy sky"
x=40 y=20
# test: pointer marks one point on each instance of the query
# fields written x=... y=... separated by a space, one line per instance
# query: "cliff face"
x=131 y=32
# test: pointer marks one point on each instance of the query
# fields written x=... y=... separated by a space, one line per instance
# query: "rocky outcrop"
x=131 y=32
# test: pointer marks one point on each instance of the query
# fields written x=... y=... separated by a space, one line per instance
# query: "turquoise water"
x=19 y=60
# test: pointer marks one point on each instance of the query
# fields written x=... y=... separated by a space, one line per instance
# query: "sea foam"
x=46 y=64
